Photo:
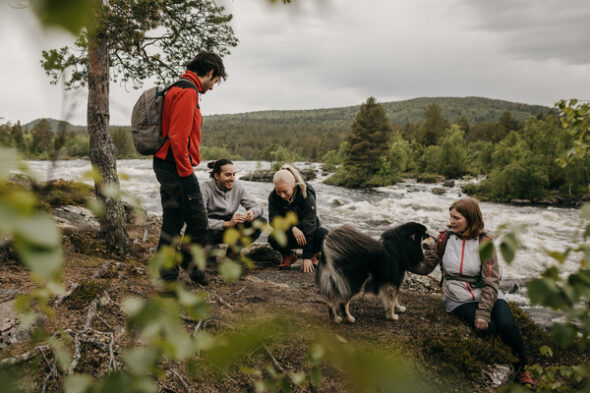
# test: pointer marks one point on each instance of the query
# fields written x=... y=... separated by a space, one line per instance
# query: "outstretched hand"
x=307 y=266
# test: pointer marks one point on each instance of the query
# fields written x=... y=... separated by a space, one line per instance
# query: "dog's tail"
x=330 y=279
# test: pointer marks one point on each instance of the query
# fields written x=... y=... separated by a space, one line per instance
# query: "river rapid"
x=373 y=211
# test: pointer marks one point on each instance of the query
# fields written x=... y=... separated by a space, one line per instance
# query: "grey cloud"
x=538 y=30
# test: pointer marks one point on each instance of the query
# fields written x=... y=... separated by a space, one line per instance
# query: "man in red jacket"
x=173 y=163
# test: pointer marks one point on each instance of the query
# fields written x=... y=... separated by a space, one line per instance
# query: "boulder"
x=266 y=175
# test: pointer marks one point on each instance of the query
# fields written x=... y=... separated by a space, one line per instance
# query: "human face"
x=208 y=81
x=226 y=177
x=458 y=221
x=284 y=190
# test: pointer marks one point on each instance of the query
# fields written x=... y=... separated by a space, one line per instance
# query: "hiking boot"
x=524 y=378
x=288 y=260
x=199 y=277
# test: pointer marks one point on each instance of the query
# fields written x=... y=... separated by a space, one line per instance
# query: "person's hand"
x=481 y=324
x=307 y=266
x=236 y=219
x=249 y=216
x=299 y=236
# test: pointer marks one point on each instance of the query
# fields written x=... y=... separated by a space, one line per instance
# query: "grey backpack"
x=146 y=118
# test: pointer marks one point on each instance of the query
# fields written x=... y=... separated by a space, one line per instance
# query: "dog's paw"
x=401 y=308
x=350 y=319
x=392 y=316
x=337 y=319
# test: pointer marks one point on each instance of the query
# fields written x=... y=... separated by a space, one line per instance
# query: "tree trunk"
x=102 y=151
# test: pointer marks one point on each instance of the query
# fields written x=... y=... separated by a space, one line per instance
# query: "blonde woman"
x=292 y=194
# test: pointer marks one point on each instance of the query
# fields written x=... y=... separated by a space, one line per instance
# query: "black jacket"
x=304 y=208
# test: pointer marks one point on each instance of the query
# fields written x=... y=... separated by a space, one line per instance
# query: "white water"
x=373 y=211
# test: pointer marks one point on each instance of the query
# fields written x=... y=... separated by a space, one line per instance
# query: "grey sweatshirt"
x=224 y=203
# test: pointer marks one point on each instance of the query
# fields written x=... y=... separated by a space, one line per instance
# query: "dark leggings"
x=502 y=323
x=314 y=241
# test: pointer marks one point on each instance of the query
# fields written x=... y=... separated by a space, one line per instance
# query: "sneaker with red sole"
x=314 y=260
x=288 y=260
x=524 y=378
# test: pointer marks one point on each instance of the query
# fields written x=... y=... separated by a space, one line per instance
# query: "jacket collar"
x=193 y=78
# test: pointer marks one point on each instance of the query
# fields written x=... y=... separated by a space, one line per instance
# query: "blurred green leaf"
x=231 y=236
x=77 y=383
x=204 y=341
x=62 y=356
x=111 y=190
x=546 y=351
x=199 y=256
x=230 y=270
x=40 y=230
x=8 y=162
x=96 y=207
x=132 y=306
x=544 y=291
x=182 y=346
x=486 y=250
x=69 y=15
x=558 y=256
x=508 y=246
x=44 y=263
x=316 y=376
x=564 y=334
x=140 y=360
x=280 y=237
x=26 y=315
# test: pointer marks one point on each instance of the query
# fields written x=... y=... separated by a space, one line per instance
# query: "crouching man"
x=223 y=196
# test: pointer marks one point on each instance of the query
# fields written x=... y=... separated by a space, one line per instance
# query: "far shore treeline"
x=514 y=145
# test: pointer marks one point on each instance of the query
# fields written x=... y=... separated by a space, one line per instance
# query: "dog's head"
x=409 y=238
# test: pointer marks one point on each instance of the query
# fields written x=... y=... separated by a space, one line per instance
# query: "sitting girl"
x=292 y=194
x=471 y=286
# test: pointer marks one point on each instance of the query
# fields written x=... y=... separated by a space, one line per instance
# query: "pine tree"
x=369 y=139
x=42 y=138
x=434 y=125
x=17 y=137
x=131 y=40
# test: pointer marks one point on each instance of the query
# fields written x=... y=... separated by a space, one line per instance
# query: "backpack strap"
x=441 y=244
x=183 y=84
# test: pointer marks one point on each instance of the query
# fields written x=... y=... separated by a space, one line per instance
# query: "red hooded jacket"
x=181 y=122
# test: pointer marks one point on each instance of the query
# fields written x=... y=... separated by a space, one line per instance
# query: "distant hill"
x=55 y=126
x=311 y=133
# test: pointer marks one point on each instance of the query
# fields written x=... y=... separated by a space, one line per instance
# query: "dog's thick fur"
x=352 y=261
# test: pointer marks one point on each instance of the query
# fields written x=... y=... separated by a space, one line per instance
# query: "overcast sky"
x=331 y=53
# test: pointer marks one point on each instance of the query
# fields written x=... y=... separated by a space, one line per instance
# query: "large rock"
x=498 y=374
x=10 y=331
x=265 y=175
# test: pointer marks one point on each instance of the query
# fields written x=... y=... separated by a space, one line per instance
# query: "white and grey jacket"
x=219 y=203
x=466 y=278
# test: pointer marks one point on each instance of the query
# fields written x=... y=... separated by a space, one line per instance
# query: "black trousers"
x=502 y=323
x=216 y=237
x=313 y=243
x=182 y=203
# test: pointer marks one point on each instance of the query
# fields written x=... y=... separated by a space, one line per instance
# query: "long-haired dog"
x=352 y=261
